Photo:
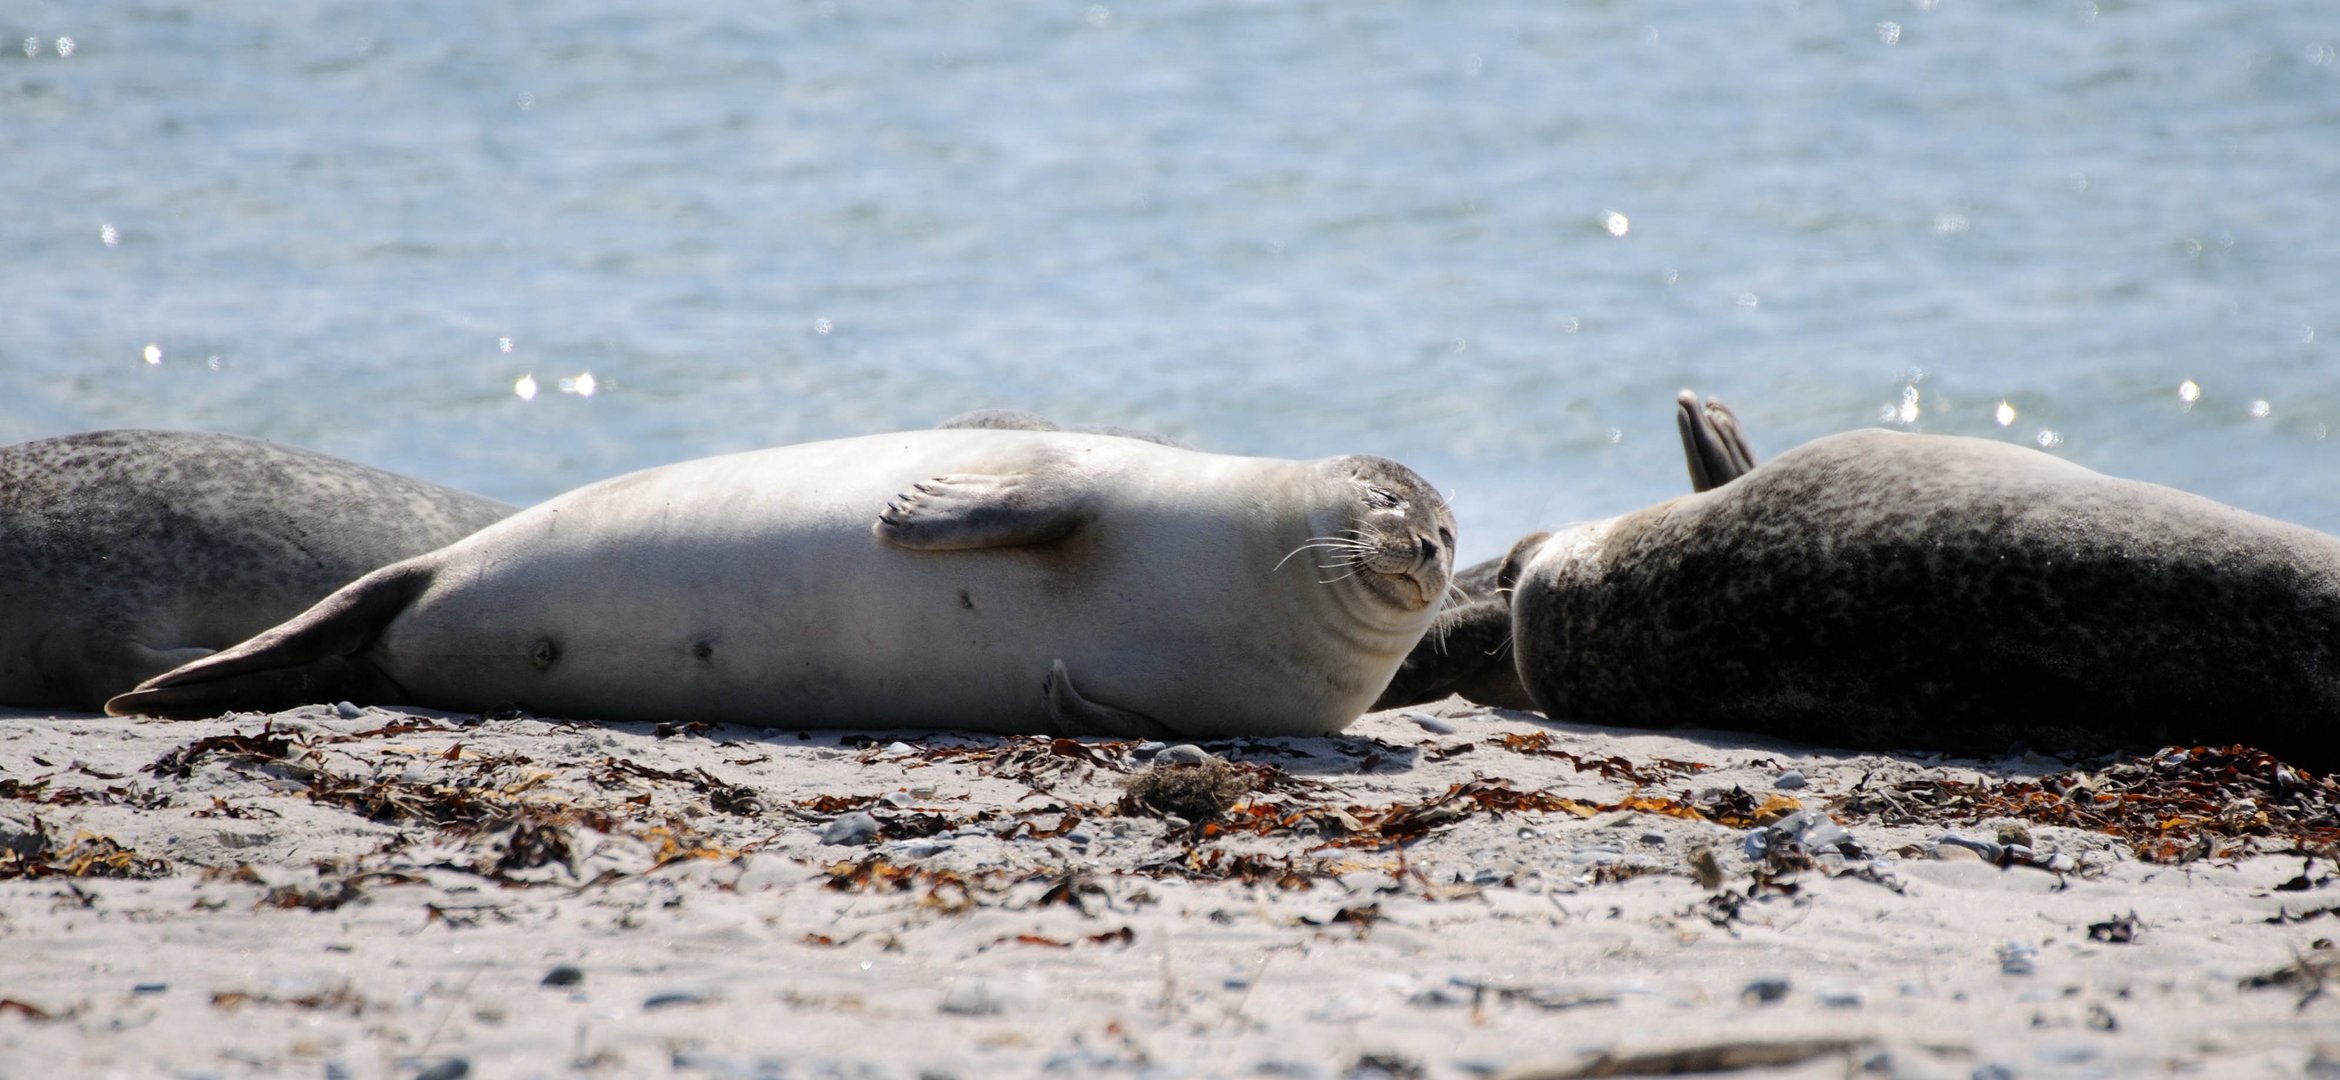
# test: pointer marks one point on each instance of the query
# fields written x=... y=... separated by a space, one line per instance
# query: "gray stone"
x=1181 y=754
x=851 y=830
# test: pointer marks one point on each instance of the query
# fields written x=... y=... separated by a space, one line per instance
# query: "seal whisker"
x=1325 y=543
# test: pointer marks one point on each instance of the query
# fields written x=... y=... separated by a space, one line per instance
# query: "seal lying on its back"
x=1890 y=590
x=1467 y=651
x=124 y=554
x=948 y=578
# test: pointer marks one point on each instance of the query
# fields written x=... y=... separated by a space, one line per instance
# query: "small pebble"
x=1429 y=723
x=1147 y=749
x=1181 y=754
x=21 y=833
x=1654 y=839
x=2016 y=958
x=672 y=998
x=898 y=799
x=851 y=830
x=969 y=998
x=1765 y=990
x=899 y=747
x=1985 y=848
x=563 y=975
x=1841 y=997
x=922 y=791
x=347 y=710
x=450 y=1069
x=150 y=988
x=1789 y=780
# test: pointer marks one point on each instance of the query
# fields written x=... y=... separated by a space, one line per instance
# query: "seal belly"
x=755 y=593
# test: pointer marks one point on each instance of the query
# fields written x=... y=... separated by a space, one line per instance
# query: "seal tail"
x=311 y=658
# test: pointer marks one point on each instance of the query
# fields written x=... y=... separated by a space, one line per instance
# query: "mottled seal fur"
x=1467 y=652
x=124 y=554
x=1882 y=589
x=941 y=578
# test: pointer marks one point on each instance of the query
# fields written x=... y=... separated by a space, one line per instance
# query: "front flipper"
x=1717 y=449
x=983 y=510
x=312 y=658
x=1073 y=715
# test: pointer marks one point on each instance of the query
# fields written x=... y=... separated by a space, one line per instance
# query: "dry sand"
x=1444 y=892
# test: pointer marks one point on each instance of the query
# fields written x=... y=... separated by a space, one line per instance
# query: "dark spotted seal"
x=1881 y=589
x=124 y=554
x=943 y=578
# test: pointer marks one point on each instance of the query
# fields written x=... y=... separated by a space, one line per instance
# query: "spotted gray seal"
x=1883 y=589
x=124 y=554
x=1467 y=652
x=940 y=578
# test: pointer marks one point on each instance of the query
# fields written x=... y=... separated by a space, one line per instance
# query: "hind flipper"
x=1716 y=447
x=312 y=658
x=1073 y=715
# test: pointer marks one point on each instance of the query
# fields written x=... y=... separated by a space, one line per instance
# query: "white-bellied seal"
x=1467 y=651
x=124 y=554
x=1890 y=590
x=942 y=578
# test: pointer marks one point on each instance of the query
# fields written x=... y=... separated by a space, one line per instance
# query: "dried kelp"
x=2173 y=806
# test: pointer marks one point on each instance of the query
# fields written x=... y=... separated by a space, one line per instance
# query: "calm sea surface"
x=516 y=248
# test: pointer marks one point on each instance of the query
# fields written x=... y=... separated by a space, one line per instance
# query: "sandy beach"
x=1445 y=892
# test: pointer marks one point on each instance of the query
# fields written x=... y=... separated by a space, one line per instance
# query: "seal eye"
x=1379 y=498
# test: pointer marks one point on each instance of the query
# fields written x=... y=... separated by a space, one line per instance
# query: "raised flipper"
x=1070 y=714
x=1717 y=449
x=312 y=658
x=983 y=510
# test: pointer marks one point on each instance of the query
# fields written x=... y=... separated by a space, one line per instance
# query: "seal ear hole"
x=544 y=653
x=966 y=601
x=704 y=650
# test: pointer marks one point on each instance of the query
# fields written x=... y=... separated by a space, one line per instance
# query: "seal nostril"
x=545 y=653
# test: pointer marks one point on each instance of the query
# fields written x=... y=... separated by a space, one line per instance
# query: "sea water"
x=520 y=247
